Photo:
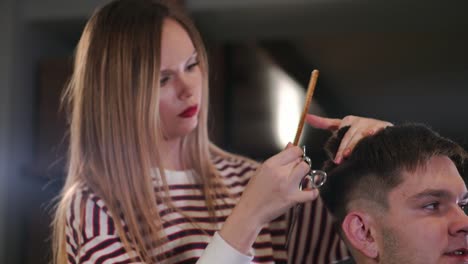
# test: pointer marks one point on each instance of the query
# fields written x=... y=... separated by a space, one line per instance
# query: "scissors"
x=314 y=179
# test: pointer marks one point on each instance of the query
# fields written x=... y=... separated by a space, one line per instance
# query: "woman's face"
x=180 y=82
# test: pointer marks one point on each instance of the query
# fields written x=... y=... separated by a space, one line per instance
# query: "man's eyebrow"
x=436 y=193
x=464 y=197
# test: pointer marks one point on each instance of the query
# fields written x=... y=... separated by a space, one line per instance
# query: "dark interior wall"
x=9 y=24
x=26 y=195
x=399 y=76
x=7 y=18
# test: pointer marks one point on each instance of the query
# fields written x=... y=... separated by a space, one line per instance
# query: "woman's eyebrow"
x=165 y=72
x=194 y=54
x=169 y=71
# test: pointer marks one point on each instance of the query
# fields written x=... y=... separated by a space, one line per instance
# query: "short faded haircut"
x=378 y=162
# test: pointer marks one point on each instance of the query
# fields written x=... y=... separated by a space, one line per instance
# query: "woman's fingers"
x=275 y=187
x=305 y=196
x=344 y=144
x=356 y=137
x=298 y=172
x=360 y=127
x=297 y=175
x=289 y=145
x=331 y=124
x=288 y=155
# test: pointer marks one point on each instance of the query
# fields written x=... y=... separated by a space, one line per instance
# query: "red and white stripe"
x=92 y=237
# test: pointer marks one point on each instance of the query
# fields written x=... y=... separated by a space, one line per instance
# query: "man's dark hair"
x=377 y=163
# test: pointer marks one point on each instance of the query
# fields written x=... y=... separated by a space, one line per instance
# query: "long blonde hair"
x=112 y=98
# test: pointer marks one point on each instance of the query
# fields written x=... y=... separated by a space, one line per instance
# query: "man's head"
x=399 y=197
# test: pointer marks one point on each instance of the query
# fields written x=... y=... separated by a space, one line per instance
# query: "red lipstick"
x=189 y=111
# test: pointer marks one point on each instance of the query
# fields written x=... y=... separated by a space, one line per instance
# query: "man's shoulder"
x=346 y=261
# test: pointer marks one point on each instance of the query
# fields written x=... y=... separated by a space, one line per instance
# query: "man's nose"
x=459 y=223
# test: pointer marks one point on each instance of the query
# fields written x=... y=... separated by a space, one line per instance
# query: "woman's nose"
x=184 y=86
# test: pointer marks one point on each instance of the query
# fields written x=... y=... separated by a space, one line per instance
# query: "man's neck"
x=360 y=260
x=348 y=261
x=364 y=261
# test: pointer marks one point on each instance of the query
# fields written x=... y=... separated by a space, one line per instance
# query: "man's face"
x=425 y=222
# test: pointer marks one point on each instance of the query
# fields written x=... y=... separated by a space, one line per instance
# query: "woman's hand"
x=275 y=186
x=270 y=193
x=360 y=127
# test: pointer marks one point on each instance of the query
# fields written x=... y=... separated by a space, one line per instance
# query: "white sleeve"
x=219 y=251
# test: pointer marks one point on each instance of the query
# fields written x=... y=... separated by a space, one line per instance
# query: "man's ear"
x=359 y=229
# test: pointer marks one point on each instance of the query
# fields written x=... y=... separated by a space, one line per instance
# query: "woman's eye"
x=163 y=81
x=192 y=66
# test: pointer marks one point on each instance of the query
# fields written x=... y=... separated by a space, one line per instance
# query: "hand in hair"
x=360 y=127
x=269 y=194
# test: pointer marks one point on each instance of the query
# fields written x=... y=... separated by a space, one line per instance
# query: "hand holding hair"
x=360 y=127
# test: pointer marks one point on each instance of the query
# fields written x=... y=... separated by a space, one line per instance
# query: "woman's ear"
x=360 y=232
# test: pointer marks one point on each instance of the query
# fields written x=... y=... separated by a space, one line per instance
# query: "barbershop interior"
x=397 y=61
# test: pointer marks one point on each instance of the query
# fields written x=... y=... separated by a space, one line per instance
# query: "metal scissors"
x=314 y=179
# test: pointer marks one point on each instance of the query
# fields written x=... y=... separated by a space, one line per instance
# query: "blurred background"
x=393 y=60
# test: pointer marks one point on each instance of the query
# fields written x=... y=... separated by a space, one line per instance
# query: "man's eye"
x=464 y=207
x=432 y=206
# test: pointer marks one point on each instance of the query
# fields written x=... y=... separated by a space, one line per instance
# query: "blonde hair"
x=112 y=98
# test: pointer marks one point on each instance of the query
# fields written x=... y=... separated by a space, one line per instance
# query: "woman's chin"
x=191 y=126
x=186 y=130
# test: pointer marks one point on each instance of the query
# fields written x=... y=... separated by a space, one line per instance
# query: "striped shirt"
x=92 y=237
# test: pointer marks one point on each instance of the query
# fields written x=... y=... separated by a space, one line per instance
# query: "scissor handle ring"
x=315 y=179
